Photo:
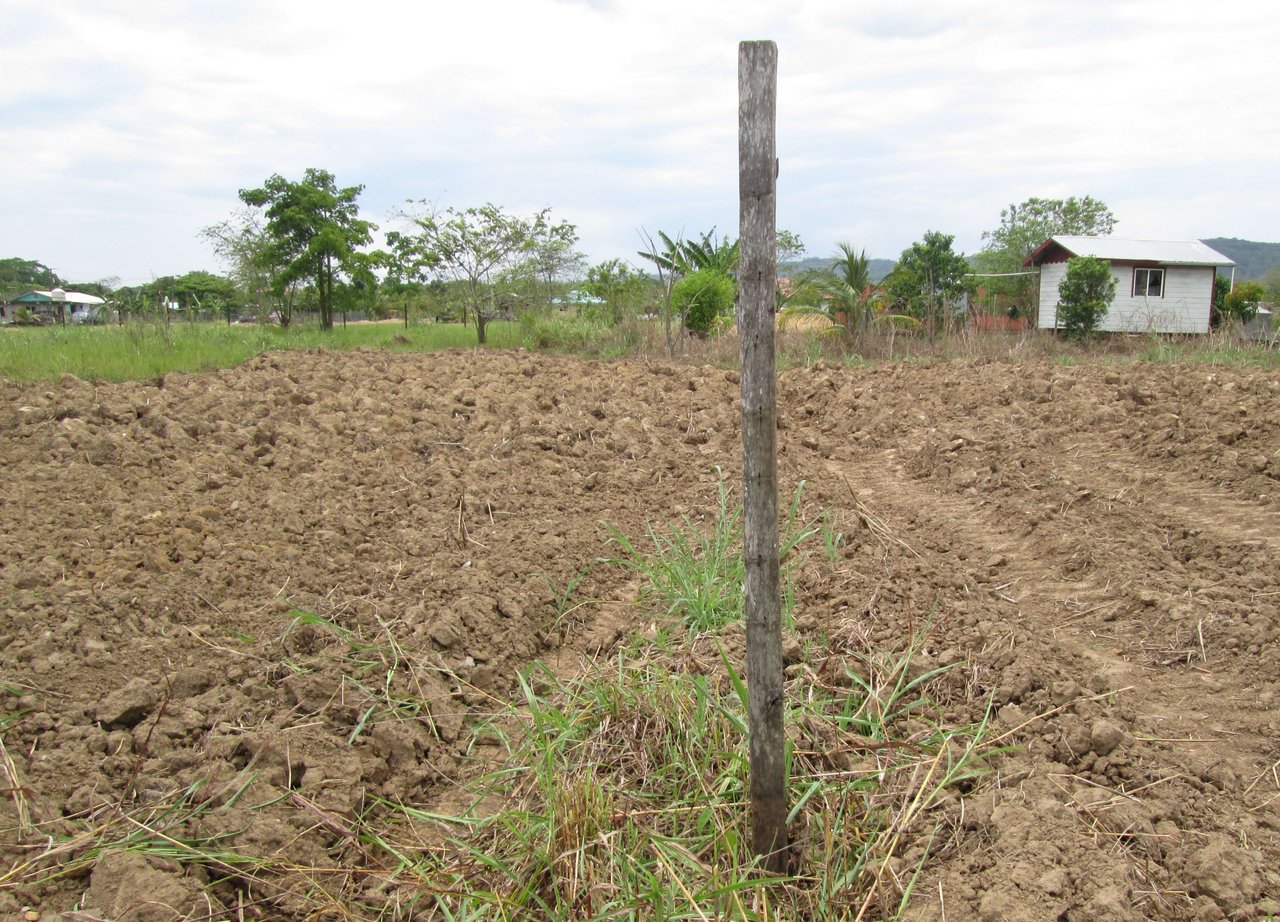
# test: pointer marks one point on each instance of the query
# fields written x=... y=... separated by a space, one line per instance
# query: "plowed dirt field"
x=1097 y=546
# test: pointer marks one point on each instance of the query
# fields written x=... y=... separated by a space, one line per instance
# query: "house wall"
x=1188 y=294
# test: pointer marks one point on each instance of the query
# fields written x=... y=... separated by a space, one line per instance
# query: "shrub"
x=1085 y=294
x=1241 y=304
x=703 y=296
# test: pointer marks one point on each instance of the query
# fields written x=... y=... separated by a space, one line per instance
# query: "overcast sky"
x=127 y=125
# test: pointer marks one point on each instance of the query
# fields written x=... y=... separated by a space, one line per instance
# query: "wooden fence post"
x=757 y=278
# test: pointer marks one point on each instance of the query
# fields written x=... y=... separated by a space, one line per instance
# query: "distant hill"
x=879 y=267
x=1252 y=259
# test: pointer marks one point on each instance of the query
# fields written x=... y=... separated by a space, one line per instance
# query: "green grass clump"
x=625 y=795
x=696 y=573
x=553 y=331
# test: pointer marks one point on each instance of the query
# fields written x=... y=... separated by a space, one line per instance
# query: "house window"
x=1148 y=283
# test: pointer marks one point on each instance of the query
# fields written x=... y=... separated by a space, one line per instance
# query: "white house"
x=77 y=304
x=1162 y=286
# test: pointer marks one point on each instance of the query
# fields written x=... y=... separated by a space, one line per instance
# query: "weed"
x=562 y=602
x=696 y=575
x=625 y=792
x=832 y=540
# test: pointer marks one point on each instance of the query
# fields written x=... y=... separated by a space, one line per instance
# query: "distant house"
x=577 y=298
x=1162 y=286
x=78 y=305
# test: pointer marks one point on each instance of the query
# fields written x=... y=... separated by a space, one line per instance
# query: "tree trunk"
x=757 y=185
x=324 y=287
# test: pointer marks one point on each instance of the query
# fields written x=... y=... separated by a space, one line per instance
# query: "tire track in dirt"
x=1064 y=619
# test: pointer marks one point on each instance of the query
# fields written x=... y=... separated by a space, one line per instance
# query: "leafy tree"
x=682 y=256
x=702 y=297
x=1241 y=303
x=314 y=232
x=1084 y=295
x=470 y=246
x=719 y=255
x=679 y=257
x=103 y=288
x=1271 y=284
x=1023 y=228
x=552 y=256
x=244 y=247
x=18 y=276
x=668 y=263
x=619 y=285
x=1221 y=288
x=204 y=290
x=788 y=246
x=928 y=280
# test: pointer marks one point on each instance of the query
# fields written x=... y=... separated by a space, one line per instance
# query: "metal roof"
x=1165 y=252
x=71 y=297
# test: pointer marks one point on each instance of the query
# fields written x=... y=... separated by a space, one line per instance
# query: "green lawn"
x=144 y=350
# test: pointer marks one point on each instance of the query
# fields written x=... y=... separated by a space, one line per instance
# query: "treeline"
x=299 y=248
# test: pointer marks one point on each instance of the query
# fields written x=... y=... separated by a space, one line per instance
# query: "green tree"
x=471 y=246
x=845 y=287
x=553 y=256
x=200 y=290
x=1221 y=288
x=669 y=264
x=1241 y=303
x=314 y=232
x=788 y=247
x=929 y=280
x=1084 y=295
x=621 y=287
x=253 y=263
x=682 y=256
x=1023 y=228
x=717 y=254
x=679 y=257
x=1271 y=284
x=702 y=297
x=18 y=276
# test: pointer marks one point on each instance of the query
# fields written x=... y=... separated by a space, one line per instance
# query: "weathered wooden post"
x=757 y=185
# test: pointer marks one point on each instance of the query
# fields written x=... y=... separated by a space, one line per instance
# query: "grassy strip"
x=138 y=351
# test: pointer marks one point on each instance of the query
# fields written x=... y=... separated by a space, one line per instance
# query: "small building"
x=1162 y=286
x=576 y=298
x=77 y=304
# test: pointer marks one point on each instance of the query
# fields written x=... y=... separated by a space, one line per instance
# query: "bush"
x=1241 y=304
x=1085 y=295
x=702 y=297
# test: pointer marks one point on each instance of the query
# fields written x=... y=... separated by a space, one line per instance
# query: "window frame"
x=1146 y=290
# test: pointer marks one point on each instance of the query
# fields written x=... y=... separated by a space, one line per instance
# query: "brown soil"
x=1097 y=547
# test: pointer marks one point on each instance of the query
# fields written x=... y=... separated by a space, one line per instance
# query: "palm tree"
x=846 y=287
